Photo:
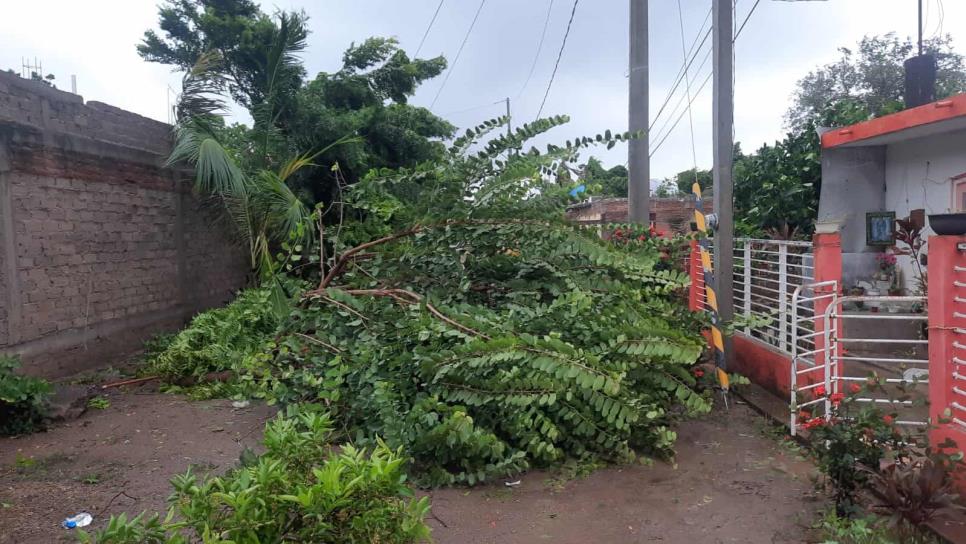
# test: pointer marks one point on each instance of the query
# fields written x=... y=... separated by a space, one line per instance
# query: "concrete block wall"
x=100 y=245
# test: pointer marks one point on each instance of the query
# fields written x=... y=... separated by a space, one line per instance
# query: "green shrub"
x=23 y=399
x=299 y=490
x=215 y=340
x=466 y=321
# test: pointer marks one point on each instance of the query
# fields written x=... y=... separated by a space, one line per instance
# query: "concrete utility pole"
x=509 y=128
x=723 y=112
x=638 y=161
x=919 y=28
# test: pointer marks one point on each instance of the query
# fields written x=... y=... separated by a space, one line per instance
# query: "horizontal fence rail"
x=766 y=274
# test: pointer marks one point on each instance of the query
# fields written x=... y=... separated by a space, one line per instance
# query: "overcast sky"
x=95 y=40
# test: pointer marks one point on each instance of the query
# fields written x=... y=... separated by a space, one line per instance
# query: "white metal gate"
x=863 y=339
x=806 y=328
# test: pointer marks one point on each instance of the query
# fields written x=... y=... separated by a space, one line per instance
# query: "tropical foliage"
x=258 y=66
x=299 y=490
x=464 y=320
x=23 y=399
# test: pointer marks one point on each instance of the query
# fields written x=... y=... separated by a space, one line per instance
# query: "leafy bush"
x=855 y=530
x=463 y=319
x=862 y=447
x=300 y=490
x=916 y=489
x=23 y=399
x=217 y=339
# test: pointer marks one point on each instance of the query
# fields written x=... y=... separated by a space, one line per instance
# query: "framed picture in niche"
x=880 y=228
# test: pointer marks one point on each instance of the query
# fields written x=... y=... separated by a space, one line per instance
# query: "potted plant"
x=857 y=291
x=885 y=276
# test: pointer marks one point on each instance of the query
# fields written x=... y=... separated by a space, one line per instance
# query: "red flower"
x=804 y=415
x=820 y=391
x=855 y=388
x=888 y=419
x=641 y=238
x=814 y=422
x=836 y=398
x=698 y=373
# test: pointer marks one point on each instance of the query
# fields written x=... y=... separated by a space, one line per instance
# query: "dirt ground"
x=732 y=482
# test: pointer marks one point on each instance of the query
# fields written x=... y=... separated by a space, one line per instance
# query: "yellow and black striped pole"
x=711 y=298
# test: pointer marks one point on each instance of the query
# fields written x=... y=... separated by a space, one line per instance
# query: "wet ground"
x=733 y=481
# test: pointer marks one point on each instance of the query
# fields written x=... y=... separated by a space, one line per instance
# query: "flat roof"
x=939 y=117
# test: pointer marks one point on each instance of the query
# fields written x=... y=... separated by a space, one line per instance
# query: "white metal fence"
x=766 y=275
x=957 y=406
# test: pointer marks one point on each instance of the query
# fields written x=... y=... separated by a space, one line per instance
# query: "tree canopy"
x=612 y=181
x=367 y=96
x=870 y=80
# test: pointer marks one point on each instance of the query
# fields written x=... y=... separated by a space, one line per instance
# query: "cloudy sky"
x=95 y=40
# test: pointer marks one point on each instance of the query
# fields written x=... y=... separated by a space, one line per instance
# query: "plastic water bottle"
x=80 y=520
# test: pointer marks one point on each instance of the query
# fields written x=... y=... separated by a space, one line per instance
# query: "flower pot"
x=948 y=223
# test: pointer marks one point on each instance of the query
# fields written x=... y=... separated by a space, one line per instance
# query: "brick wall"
x=672 y=215
x=100 y=246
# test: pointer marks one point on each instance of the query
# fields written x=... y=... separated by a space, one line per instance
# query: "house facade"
x=911 y=163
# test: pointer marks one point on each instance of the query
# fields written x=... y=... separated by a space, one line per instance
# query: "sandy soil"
x=731 y=483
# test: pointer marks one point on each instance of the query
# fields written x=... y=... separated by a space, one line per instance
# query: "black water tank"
x=920 y=80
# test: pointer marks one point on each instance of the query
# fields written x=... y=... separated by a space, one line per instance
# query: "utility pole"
x=509 y=129
x=638 y=161
x=919 y=28
x=723 y=112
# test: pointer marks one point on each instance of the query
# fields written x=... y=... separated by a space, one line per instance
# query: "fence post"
x=697 y=275
x=947 y=344
x=827 y=252
x=747 y=283
x=783 y=297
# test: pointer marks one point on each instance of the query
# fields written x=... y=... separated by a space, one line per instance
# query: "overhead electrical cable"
x=556 y=65
x=679 y=79
x=428 y=28
x=536 y=57
x=683 y=98
x=703 y=84
x=458 y=53
x=687 y=82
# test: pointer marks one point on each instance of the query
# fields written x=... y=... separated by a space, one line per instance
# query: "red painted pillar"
x=827 y=249
x=697 y=277
x=947 y=316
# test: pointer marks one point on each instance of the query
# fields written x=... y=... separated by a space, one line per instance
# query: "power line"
x=428 y=28
x=681 y=100
x=678 y=120
x=703 y=84
x=458 y=53
x=742 y=27
x=471 y=108
x=559 y=55
x=536 y=57
x=687 y=82
x=685 y=67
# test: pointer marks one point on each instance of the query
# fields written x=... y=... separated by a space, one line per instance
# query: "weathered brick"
x=96 y=224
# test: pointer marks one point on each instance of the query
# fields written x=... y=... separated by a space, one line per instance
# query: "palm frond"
x=203 y=89
x=281 y=208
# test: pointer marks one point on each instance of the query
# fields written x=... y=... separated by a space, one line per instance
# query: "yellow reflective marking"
x=699 y=221
x=696 y=189
x=723 y=380
x=711 y=297
x=705 y=260
x=716 y=338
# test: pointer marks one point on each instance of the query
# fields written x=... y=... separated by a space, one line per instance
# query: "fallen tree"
x=482 y=332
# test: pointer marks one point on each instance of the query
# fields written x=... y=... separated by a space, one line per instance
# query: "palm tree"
x=262 y=208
